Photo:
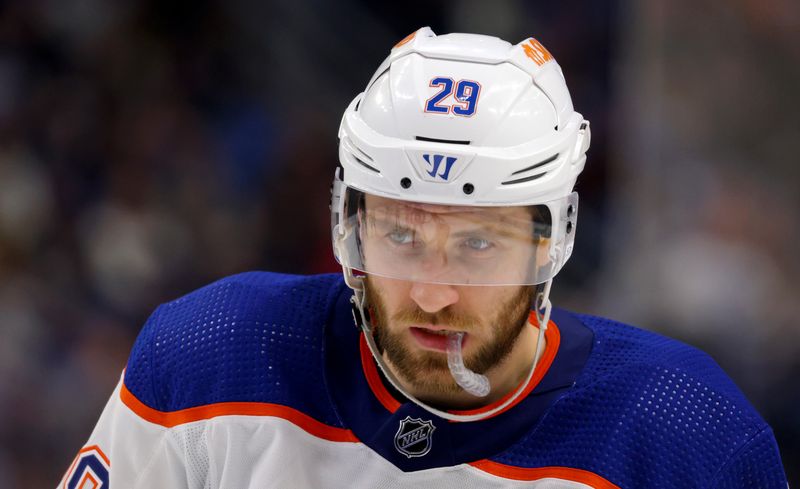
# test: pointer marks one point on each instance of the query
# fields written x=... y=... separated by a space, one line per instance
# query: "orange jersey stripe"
x=175 y=418
x=373 y=378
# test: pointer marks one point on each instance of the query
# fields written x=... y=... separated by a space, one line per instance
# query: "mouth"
x=433 y=337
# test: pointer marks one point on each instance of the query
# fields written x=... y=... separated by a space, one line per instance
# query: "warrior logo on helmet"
x=435 y=162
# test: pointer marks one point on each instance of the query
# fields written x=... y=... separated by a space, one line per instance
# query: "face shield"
x=452 y=244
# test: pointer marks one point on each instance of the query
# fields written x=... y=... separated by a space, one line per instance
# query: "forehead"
x=394 y=206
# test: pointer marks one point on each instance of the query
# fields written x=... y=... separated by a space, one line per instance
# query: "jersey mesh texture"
x=192 y=441
x=647 y=411
x=755 y=466
x=238 y=340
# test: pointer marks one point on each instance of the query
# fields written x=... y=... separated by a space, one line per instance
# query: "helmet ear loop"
x=356 y=283
x=359 y=227
x=542 y=308
x=541 y=302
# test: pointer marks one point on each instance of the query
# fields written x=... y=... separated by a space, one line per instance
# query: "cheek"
x=390 y=293
x=487 y=304
x=481 y=303
x=483 y=300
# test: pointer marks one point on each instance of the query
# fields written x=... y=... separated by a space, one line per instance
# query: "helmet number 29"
x=465 y=99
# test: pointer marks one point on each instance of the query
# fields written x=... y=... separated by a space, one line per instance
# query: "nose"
x=432 y=298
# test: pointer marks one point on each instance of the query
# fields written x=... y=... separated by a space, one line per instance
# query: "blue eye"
x=477 y=244
x=401 y=236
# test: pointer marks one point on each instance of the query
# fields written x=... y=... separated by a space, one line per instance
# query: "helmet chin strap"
x=359 y=303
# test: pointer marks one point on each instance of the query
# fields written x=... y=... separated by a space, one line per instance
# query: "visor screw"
x=405 y=182
x=570 y=210
x=569 y=227
x=468 y=188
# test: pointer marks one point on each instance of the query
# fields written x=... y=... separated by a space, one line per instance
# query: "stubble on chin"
x=427 y=371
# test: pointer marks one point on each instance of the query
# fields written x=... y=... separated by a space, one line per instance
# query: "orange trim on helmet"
x=552 y=339
x=536 y=51
x=405 y=40
x=532 y=474
x=208 y=411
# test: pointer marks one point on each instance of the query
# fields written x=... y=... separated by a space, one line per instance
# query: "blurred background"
x=148 y=148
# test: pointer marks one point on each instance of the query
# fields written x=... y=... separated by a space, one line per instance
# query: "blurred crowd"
x=707 y=190
x=136 y=164
x=148 y=148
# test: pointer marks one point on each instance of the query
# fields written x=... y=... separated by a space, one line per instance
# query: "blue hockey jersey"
x=262 y=380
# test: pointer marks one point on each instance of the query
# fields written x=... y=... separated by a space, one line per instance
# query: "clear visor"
x=448 y=244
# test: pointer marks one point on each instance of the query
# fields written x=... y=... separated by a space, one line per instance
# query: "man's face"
x=407 y=315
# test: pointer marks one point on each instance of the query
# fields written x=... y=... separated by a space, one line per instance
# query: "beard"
x=427 y=371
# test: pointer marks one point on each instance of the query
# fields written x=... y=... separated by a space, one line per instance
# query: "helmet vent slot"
x=434 y=140
x=365 y=165
x=527 y=169
x=358 y=155
x=525 y=179
x=361 y=153
x=537 y=165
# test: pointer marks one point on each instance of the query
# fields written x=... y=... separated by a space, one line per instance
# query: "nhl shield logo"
x=413 y=438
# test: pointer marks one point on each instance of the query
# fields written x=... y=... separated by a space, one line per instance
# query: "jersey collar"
x=381 y=419
x=381 y=389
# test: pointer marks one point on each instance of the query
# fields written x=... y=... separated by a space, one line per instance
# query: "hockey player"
x=452 y=211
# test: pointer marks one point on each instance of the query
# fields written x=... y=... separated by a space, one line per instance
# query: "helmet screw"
x=405 y=182
x=468 y=188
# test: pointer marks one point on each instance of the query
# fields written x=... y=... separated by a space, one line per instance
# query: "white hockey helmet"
x=452 y=131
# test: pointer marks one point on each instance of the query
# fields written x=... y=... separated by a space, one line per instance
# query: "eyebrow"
x=508 y=230
x=515 y=232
